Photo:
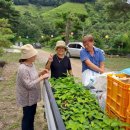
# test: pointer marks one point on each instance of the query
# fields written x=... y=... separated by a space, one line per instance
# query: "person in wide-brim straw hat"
x=60 y=44
x=59 y=63
x=28 y=91
x=28 y=51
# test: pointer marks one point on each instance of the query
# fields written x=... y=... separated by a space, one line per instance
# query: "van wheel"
x=68 y=54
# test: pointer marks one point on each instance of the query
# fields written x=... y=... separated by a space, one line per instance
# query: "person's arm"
x=94 y=67
x=84 y=58
x=48 y=64
x=28 y=83
x=69 y=67
x=102 y=66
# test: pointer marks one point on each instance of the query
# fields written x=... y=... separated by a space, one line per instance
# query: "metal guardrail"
x=55 y=110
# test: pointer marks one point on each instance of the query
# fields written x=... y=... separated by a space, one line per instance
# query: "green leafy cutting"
x=79 y=108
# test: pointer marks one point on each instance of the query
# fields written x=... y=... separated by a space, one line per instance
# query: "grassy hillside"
x=49 y=11
x=67 y=7
x=33 y=9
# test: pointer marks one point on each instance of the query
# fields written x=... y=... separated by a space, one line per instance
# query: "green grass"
x=33 y=9
x=117 y=64
x=10 y=115
x=67 y=7
x=10 y=57
x=48 y=49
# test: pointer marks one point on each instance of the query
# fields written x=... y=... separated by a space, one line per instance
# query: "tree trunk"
x=67 y=31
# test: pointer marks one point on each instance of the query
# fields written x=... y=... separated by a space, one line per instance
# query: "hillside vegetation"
x=48 y=2
x=33 y=9
x=108 y=21
x=75 y=8
x=81 y=19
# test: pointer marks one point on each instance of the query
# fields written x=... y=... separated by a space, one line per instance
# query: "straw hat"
x=28 y=51
x=60 y=44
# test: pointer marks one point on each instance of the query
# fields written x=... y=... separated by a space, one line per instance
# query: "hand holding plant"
x=44 y=76
x=44 y=71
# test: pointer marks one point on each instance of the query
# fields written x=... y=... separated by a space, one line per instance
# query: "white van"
x=74 y=49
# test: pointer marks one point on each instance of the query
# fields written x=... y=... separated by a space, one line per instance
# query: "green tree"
x=21 y=2
x=7 y=11
x=70 y=24
x=118 y=9
x=47 y=2
x=5 y=34
x=30 y=27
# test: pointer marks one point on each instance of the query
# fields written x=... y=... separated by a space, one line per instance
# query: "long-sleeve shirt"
x=28 y=90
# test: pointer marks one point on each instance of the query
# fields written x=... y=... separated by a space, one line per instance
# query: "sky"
x=128 y=1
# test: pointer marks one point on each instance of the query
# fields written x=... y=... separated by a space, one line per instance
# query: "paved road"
x=76 y=63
